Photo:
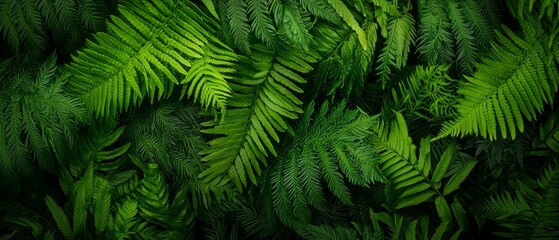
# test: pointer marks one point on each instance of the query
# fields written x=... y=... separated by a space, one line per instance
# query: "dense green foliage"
x=279 y=119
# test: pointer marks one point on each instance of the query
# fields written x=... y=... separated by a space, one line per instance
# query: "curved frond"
x=146 y=52
x=466 y=50
x=264 y=98
x=38 y=118
x=514 y=82
x=261 y=23
x=426 y=94
x=394 y=54
x=239 y=27
x=332 y=148
x=529 y=213
x=349 y=19
x=345 y=64
x=435 y=42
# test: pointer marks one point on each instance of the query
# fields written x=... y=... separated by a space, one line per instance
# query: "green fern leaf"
x=292 y=28
x=408 y=176
x=211 y=7
x=80 y=208
x=322 y=9
x=436 y=44
x=333 y=149
x=261 y=23
x=325 y=232
x=38 y=118
x=529 y=212
x=482 y=29
x=124 y=220
x=146 y=53
x=496 y=97
x=345 y=65
x=401 y=34
x=425 y=96
x=264 y=97
x=456 y=179
x=238 y=22
x=464 y=35
x=60 y=218
x=349 y=19
x=102 y=205
x=22 y=26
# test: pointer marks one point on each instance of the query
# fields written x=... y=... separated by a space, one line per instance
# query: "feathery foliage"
x=516 y=81
x=279 y=119
x=345 y=64
x=38 y=120
x=25 y=24
x=455 y=31
x=262 y=101
x=394 y=54
x=153 y=47
x=335 y=146
x=411 y=179
x=528 y=210
x=426 y=94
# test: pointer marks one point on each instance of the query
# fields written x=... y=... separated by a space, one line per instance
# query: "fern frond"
x=322 y=9
x=125 y=218
x=455 y=31
x=333 y=144
x=60 y=218
x=496 y=97
x=238 y=22
x=482 y=29
x=38 y=119
x=410 y=181
x=91 y=13
x=490 y=12
x=401 y=34
x=264 y=98
x=22 y=26
x=541 y=8
x=425 y=95
x=504 y=206
x=328 y=232
x=291 y=27
x=436 y=43
x=27 y=25
x=155 y=204
x=261 y=23
x=466 y=51
x=146 y=52
x=102 y=205
x=349 y=19
x=345 y=64
x=531 y=213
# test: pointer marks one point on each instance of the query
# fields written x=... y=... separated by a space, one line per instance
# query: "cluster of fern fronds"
x=279 y=119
